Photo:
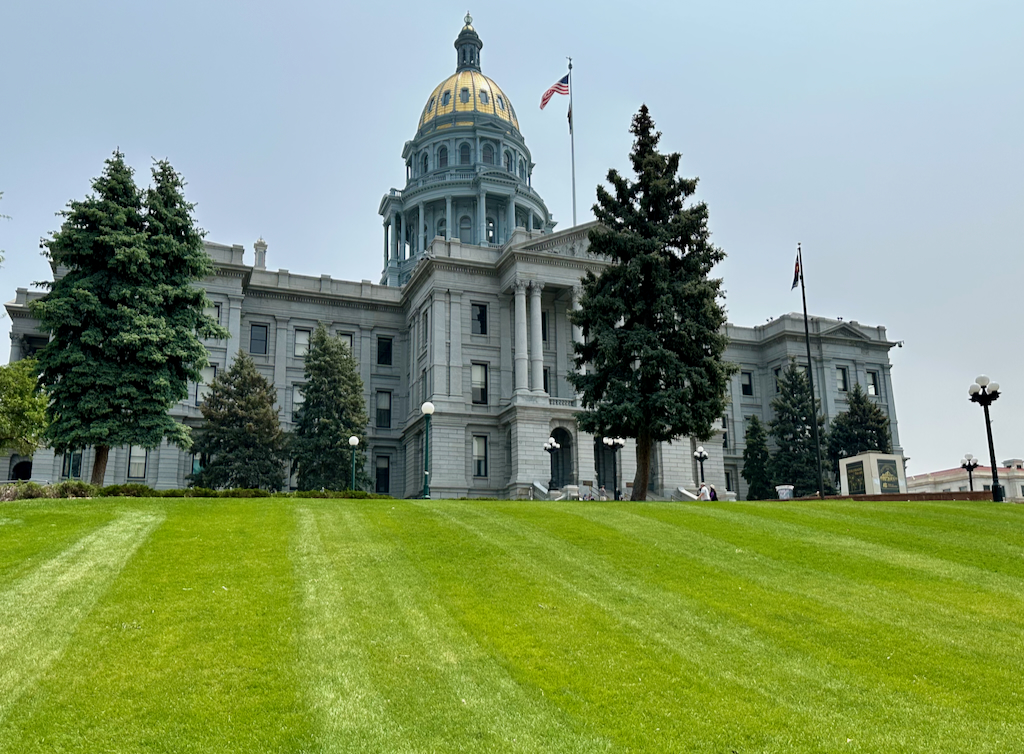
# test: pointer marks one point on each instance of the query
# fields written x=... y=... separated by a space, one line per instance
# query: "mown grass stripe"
x=41 y=611
x=436 y=688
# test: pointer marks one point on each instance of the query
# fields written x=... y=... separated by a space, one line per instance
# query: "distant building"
x=1011 y=477
x=471 y=313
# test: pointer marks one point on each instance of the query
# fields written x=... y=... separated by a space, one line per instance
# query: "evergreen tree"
x=22 y=408
x=756 y=462
x=333 y=409
x=124 y=317
x=652 y=320
x=861 y=428
x=795 y=461
x=241 y=441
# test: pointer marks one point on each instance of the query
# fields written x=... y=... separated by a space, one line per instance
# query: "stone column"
x=448 y=218
x=421 y=242
x=234 y=328
x=15 y=347
x=536 y=344
x=522 y=353
x=531 y=220
x=281 y=361
x=394 y=236
x=511 y=221
x=387 y=224
x=455 y=346
x=577 y=331
x=481 y=205
x=438 y=346
x=401 y=236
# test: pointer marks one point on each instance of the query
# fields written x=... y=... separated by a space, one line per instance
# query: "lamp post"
x=550 y=446
x=970 y=463
x=701 y=456
x=984 y=391
x=428 y=409
x=353 y=442
x=615 y=443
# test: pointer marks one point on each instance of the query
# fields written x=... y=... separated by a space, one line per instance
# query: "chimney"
x=261 y=253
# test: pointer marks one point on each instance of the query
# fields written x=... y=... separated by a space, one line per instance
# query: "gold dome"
x=482 y=95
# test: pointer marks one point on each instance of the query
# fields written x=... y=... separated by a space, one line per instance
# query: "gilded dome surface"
x=468 y=91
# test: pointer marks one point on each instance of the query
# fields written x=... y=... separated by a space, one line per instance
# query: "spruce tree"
x=124 y=316
x=333 y=409
x=795 y=460
x=756 y=461
x=240 y=441
x=652 y=321
x=861 y=428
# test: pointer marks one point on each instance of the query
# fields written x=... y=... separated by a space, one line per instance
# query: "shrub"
x=73 y=488
x=132 y=489
x=243 y=493
x=31 y=491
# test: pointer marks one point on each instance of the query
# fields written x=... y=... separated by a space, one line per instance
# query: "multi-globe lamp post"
x=985 y=392
x=969 y=463
x=353 y=443
x=428 y=410
x=550 y=446
x=615 y=444
x=701 y=455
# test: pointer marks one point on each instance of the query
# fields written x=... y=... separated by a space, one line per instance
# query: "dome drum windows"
x=464 y=154
x=488 y=154
x=522 y=170
x=424 y=164
x=442 y=157
x=508 y=162
x=446 y=99
x=484 y=98
x=464 y=96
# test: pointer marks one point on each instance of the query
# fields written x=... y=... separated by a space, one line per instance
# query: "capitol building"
x=470 y=313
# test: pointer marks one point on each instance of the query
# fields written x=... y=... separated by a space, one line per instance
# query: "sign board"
x=855 y=475
x=888 y=476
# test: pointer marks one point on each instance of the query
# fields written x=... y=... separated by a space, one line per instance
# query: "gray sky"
x=887 y=137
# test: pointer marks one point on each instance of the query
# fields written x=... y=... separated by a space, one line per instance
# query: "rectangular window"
x=384 y=409
x=544 y=327
x=346 y=338
x=873 y=384
x=479 y=319
x=213 y=312
x=301 y=342
x=547 y=377
x=987 y=488
x=384 y=351
x=383 y=481
x=297 y=400
x=72 y=466
x=479 y=456
x=747 y=383
x=423 y=382
x=258 y=340
x=137 y=462
x=479 y=379
x=776 y=373
x=197 y=463
x=728 y=481
x=426 y=328
x=842 y=379
x=203 y=387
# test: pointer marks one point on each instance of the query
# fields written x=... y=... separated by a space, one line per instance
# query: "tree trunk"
x=643 y=466
x=99 y=466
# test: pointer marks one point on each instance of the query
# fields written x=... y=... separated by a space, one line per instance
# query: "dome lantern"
x=468 y=46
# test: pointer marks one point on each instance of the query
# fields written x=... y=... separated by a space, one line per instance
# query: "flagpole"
x=810 y=375
x=572 y=143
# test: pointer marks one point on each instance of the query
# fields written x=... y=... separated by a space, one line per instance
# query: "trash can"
x=785 y=491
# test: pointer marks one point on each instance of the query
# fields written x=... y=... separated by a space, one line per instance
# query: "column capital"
x=536 y=286
x=519 y=285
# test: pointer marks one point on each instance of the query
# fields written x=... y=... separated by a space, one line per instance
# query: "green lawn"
x=208 y=625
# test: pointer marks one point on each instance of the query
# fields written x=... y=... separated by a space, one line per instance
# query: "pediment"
x=843 y=330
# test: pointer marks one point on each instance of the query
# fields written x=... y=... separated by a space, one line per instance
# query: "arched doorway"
x=561 y=459
x=20 y=469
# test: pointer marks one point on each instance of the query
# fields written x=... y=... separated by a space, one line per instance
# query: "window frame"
x=200 y=394
x=133 y=462
x=478 y=318
x=295 y=345
x=71 y=460
x=387 y=353
x=382 y=416
x=465 y=155
x=874 y=383
x=253 y=326
x=479 y=398
x=842 y=379
x=480 y=461
x=298 y=398
x=376 y=475
x=747 y=384
x=442 y=157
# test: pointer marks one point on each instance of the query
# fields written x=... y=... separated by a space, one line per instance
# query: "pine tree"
x=861 y=428
x=333 y=409
x=756 y=462
x=124 y=317
x=241 y=441
x=652 y=320
x=22 y=408
x=795 y=460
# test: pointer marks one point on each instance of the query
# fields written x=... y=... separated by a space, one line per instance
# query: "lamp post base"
x=997 y=493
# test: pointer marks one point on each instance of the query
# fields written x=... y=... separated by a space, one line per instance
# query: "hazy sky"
x=887 y=137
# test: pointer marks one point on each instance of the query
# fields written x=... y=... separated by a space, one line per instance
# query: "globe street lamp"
x=970 y=463
x=550 y=446
x=984 y=391
x=615 y=444
x=428 y=409
x=701 y=455
x=353 y=442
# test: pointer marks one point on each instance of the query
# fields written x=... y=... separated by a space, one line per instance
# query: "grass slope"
x=436 y=626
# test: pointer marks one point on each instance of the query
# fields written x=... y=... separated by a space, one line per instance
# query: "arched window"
x=508 y=161
x=522 y=170
x=464 y=154
x=466 y=229
x=491 y=237
x=488 y=154
x=442 y=157
x=424 y=164
x=442 y=227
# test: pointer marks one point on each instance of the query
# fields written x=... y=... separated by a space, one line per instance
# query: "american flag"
x=562 y=87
